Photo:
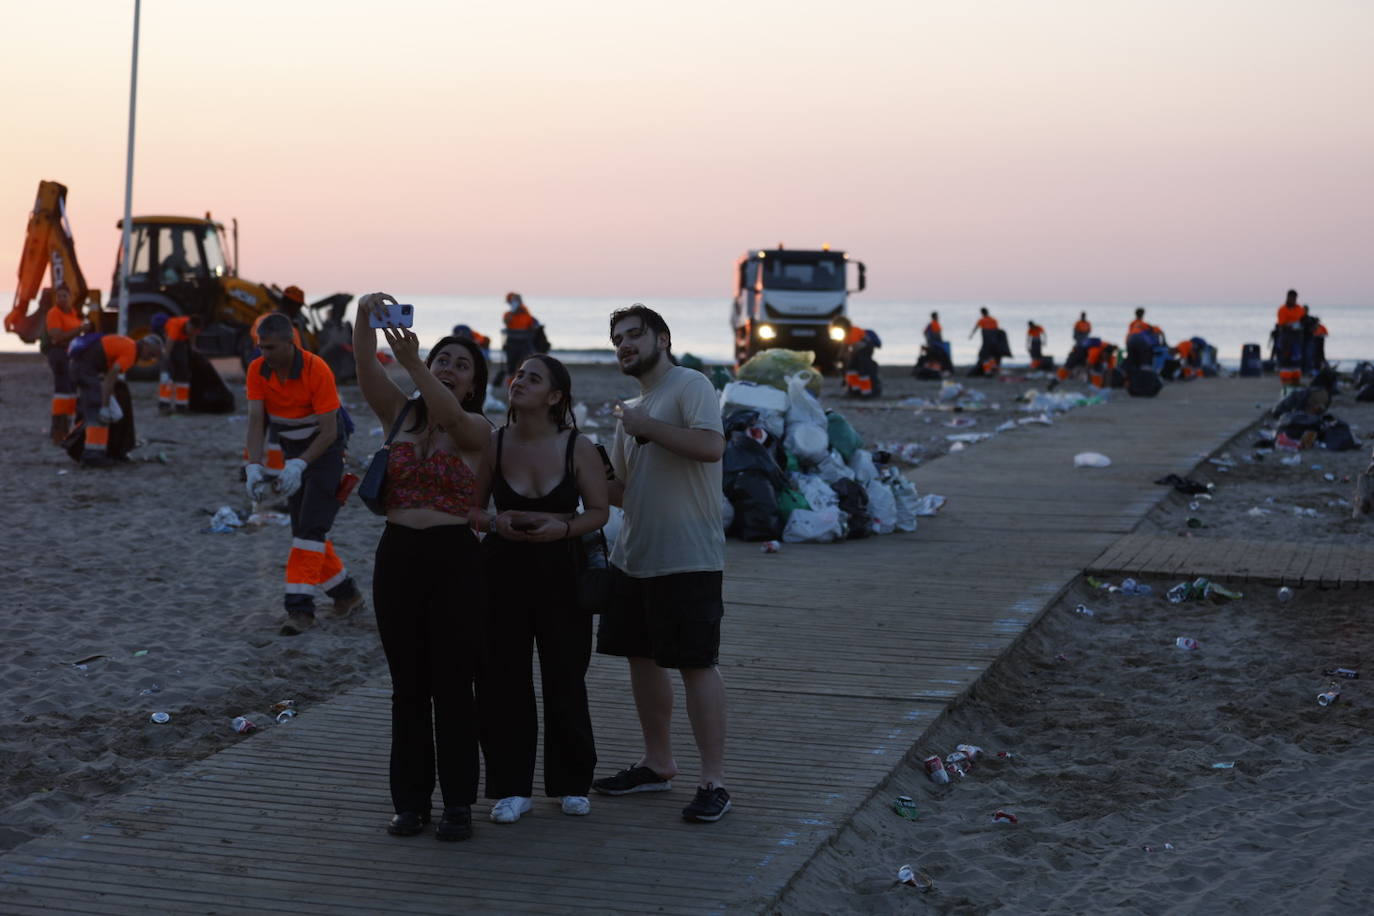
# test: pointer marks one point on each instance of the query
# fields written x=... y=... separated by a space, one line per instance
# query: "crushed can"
x=935 y=769
x=917 y=879
x=161 y=718
x=1186 y=642
x=346 y=484
x=1003 y=817
x=243 y=725
x=281 y=705
x=1347 y=673
x=286 y=715
x=771 y=547
x=969 y=750
x=905 y=806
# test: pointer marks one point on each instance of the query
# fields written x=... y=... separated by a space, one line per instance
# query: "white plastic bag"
x=1091 y=460
x=613 y=524
x=818 y=493
x=773 y=421
x=802 y=406
x=832 y=467
x=861 y=463
x=818 y=526
x=808 y=442
x=929 y=504
x=727 y=512
x=882 y=507
x=748 y=394
x=908 y=502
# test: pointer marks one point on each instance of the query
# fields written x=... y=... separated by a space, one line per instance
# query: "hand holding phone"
x=392 y=315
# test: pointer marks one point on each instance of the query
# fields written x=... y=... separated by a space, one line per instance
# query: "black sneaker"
x=407 y=823
x=455 y=825
x=632 y=779
x=709 y=806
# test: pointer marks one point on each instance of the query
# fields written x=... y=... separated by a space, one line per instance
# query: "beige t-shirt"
x=672 y=504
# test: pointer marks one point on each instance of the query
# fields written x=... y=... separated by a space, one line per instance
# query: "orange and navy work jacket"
x=119 y=351
x=1139 y=326
x=987 y=323
x=1290 y=316
x=519 y=318
x=61 y=322
x=934 y=329
x=1321 y=331
x=294 y=400
x=295 y=330
x=177 y=330
x=1035 y=331
x=1082 y=327
x=1184 y=349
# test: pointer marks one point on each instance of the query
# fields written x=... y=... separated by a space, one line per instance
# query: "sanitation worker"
x=174 y=387
x=292 y=392
x=97 y=362
x=62 y=324
x=1287 y=338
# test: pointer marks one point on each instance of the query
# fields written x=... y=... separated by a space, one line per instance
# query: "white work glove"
x=255 y=481
x=105 y=416
x=116 y=412
x=164 y=377
x=289 y=480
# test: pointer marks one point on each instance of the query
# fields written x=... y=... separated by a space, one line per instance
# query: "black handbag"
x=372 y=489
x=596 y=582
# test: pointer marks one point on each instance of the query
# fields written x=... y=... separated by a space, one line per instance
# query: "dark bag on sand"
x=854 y=503
x=1143 y=383
x=372 y=488
x=596 y=582
x=1116 y=378
x=1366 y=393
x=123 y=438
x=1335 y=436
x=209 y=394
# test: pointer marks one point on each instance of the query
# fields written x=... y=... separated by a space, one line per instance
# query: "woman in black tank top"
x=537 y=469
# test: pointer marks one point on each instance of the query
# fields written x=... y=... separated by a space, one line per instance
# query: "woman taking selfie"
x=427 y=581
x=536 y=468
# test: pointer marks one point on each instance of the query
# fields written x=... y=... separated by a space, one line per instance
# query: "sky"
x=1170 y=151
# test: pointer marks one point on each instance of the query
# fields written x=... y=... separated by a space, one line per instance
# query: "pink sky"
x=1156 y=151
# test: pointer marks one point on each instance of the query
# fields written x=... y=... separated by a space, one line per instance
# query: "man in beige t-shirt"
x=669 y=559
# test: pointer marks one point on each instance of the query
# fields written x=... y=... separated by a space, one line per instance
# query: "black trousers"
x=538 y=611
x=428 y=594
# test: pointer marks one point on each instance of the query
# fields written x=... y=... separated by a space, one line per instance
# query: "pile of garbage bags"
x=796 y=472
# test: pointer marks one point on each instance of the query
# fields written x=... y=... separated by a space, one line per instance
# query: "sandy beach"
x=122 y=604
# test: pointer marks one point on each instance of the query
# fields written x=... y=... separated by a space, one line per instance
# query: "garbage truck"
x=790 y=297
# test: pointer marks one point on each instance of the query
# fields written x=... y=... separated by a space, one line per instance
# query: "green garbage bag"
x=843 y=438
x=789 y=499
x=773 y=366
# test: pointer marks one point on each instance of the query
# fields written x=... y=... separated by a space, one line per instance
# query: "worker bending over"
x=292 y=391
x=174 y=387
x=97 y=363
x=63 y=323
x=1288 y=344
x=1036 y=339
x=994 y=345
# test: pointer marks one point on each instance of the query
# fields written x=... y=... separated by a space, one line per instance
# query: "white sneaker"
x=508 y=810
x=576 y=805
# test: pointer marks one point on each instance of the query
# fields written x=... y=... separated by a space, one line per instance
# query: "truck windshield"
x=803 y=273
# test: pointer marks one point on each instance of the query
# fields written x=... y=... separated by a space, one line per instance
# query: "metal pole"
x=129 y=188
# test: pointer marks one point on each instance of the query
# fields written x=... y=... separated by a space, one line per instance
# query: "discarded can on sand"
x=283 y=704
x=160 y=718
x=286 y=715
x=771 y=547
x=1083 y=610
x=1003 y=817
x=905 y=806
x=1348 y=673
x=1285 y=594
x=243 y=726
x=917 y=879
x=935 y=769
x=970 y=750
x=1186 y=642
x=1329 y=695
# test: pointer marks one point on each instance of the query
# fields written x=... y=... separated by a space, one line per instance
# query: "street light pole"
x=129 y=187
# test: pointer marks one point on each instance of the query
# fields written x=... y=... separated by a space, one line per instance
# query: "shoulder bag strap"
x=400 y=418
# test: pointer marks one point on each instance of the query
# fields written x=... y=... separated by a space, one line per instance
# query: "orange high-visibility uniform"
x=856 y=382
x=63 y=389
x=1082 y=328
x=1289 y=341
x=294 y=401
x=113 y=353
x=1138 y=326
x=987 y=323
x=519 y=318
x=175 y=388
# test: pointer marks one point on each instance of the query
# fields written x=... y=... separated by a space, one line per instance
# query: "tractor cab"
x=177 y=258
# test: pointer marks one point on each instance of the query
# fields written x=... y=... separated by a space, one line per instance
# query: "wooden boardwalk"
x=837 y=658
x=1230 y=559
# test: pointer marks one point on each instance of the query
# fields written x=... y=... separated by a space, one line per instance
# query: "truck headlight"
x=767 y=332
x=836 y=334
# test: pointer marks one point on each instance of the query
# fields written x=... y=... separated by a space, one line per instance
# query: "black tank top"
x=562 y=498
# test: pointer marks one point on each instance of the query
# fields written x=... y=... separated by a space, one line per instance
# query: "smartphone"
x=392 y=315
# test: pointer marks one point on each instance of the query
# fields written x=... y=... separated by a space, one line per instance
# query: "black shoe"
x=456 y=824
x=407 y=823
x=632 y=779
x=709 y=806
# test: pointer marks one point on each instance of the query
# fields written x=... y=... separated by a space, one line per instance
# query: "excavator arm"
x=48 y=243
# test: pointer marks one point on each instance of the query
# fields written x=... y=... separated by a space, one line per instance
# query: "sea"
x=577 y=326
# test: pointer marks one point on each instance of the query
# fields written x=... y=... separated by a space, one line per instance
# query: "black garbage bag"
x=1143 y=383
x=123 y=437
x=752 y=479
x=1336 y=436
x=854 y=503
x=209 y=394
x=740 y=420
x=1366 y=393
x=1298 y=422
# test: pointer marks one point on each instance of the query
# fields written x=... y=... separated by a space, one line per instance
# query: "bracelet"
x=568 y=532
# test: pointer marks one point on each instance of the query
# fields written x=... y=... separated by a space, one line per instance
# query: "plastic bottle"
x=1285 y=594
x=1179 y=593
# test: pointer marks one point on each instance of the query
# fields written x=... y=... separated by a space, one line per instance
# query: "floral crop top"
x=443 y=481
